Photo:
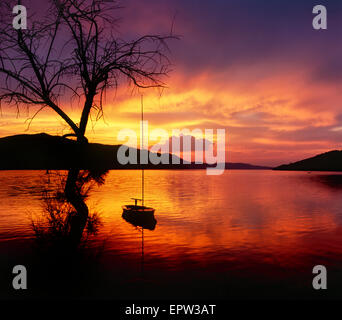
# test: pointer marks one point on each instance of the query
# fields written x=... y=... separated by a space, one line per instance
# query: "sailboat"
x=141 y=218
x=135 y=210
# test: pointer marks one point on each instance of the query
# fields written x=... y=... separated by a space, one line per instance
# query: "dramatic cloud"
x=256 y=68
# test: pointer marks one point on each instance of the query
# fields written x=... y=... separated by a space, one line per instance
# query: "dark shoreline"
x=46 y=152
x=131 y=168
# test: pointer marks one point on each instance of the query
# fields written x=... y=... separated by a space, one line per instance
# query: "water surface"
x=241 y=234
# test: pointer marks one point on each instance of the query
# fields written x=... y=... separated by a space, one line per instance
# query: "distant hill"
x=329 y=161
x=43 y=151
x=244 y=166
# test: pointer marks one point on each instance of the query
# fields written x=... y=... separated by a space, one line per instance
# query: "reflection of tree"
x=64 y=234
x=66 y=221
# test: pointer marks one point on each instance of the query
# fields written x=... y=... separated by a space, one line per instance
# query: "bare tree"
x=73 y=50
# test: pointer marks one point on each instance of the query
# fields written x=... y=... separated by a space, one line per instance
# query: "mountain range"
x=328 y=161
x=47 y=152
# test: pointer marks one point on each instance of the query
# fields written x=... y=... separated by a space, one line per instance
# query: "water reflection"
x=63 y=233
x=66 y=221
x=333 y=181
x=264 y=225
x=141 y=221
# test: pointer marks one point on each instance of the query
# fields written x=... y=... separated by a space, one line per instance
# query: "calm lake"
x=244 y=234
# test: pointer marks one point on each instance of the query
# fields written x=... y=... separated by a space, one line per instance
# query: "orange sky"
x=276 y=91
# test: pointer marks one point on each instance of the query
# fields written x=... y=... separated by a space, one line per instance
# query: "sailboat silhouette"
x=140 y=212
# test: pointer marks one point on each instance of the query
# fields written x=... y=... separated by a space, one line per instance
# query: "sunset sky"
x=256 y=68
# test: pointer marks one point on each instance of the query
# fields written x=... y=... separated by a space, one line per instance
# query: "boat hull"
x=137 y=209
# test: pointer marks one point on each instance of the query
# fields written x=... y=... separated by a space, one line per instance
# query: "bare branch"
x=73 y=52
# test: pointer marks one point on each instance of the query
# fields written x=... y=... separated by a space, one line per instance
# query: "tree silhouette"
x=74 y=50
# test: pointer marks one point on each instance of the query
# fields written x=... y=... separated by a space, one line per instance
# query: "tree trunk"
x=78 y=221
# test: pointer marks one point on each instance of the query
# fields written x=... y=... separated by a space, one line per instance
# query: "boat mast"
x=142 y=147
x=142 y=252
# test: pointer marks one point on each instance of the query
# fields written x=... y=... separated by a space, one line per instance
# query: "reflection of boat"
x=143 y=219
